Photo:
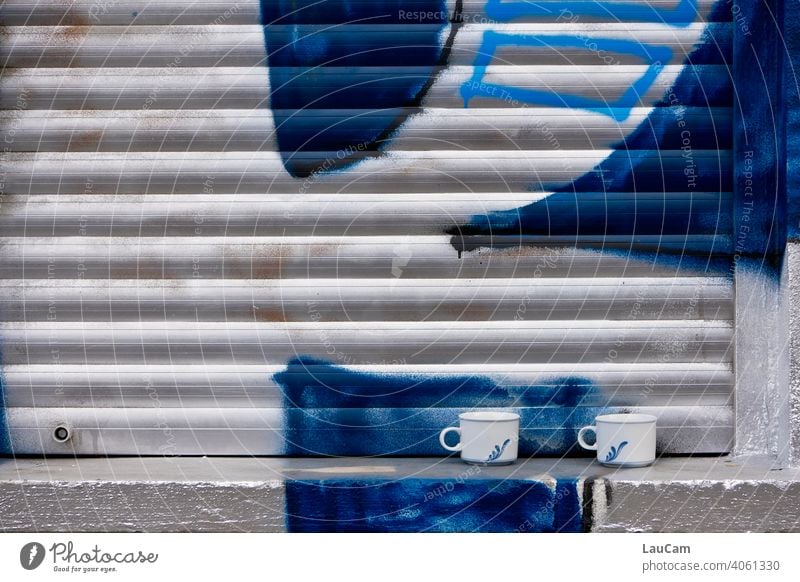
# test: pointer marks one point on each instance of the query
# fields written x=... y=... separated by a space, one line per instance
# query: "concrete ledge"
x=282 y=494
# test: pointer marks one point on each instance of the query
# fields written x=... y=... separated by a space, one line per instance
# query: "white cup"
x=622 y=440
x=487 y=437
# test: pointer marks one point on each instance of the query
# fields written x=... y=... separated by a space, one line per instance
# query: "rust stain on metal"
x=268 y=314
x=323 y=250
x=74 y=33
x=85 y=139
x=261 y=270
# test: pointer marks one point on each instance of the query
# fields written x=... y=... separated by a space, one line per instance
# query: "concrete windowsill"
x=255 y=494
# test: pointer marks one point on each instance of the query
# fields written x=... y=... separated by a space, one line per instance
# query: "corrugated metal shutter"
x=208 y=250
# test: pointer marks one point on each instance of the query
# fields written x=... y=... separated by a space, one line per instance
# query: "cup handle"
x=443 y=434
x=582 y=442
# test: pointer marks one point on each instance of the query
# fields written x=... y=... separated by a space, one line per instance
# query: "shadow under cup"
x=486 y=437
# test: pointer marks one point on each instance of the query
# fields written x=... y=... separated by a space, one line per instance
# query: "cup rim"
x=626 y=418
x=488 y=416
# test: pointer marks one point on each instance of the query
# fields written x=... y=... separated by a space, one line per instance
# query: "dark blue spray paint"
x=408 y=12
x=308 y=69
x=791 y=124
x=637 y=167
x=544 y=431
x=5 y=440
x=309 y=382
x=760 y=207
x=330 y=410
x=469 y=504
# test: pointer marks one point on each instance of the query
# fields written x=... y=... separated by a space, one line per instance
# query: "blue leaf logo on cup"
x=622 y=440
x=613 y=453
x=498 y=451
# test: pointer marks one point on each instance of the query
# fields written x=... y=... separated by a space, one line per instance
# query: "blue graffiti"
x=430 y=505
x=760 y=208
x=682 y=14
x=672 y=176
x=5 y=440
x=317 y=52
x=654 y=56
x=310 y=382
x=791 y=133
x=331 y=410
x=288 y=12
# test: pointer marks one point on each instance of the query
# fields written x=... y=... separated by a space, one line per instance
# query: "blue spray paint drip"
x=577 y=209
x=428 y=505
x=330 y=410
x=308 y=68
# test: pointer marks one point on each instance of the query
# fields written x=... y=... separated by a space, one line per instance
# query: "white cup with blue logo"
x=622 y=440
x=486 y=437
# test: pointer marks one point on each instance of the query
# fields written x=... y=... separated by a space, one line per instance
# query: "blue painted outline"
x=653 y=55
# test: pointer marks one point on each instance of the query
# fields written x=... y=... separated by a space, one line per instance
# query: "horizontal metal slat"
x=232 y=215
x=349 y=45
x=319 y=257
x=249 y=87
x=454 y=342
x=232 y=431
x=425 y=129
x=202 y=385
x=367 y=299
x=432 y=171
x=192 y=12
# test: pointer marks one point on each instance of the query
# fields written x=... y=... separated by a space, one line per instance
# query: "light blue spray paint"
x=652 y=55
x=682 y=14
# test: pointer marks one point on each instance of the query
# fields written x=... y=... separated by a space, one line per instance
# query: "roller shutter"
x=326 y=228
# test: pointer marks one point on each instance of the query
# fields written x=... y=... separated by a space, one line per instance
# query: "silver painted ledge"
x=248 y=494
